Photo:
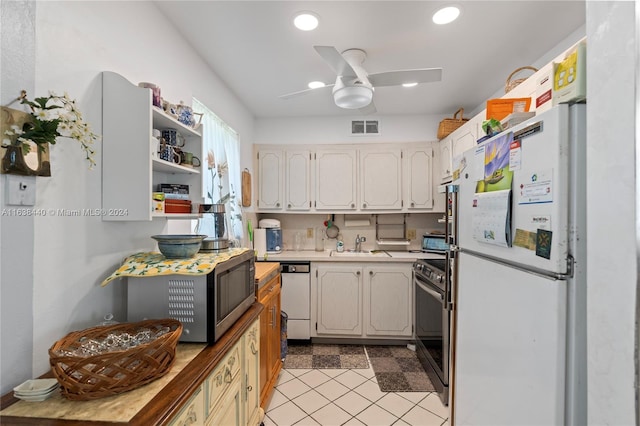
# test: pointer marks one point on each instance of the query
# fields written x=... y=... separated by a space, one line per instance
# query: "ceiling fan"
x=354 y=87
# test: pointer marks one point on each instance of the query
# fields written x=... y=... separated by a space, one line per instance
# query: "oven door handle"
x=430 y=291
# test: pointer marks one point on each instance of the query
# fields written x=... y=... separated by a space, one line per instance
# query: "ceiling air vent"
x=365 y=127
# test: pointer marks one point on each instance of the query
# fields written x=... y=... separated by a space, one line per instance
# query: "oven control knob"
x=292 y=268
x=439 y=278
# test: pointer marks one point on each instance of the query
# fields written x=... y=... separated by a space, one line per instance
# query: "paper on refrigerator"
x=491 y=217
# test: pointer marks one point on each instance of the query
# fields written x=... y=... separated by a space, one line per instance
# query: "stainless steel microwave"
x=207 y=305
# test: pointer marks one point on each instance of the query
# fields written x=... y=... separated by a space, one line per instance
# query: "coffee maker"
x=273 y=234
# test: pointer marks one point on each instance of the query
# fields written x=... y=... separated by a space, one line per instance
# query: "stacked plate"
x=36 y=389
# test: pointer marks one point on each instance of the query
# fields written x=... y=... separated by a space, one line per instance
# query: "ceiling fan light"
x=446 y=15
x=306 y=21
x=353 y=97
x=315 y=84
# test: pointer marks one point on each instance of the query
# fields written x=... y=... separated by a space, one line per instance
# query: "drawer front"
x=268 y=289
x=218 y=382
x=193 y=412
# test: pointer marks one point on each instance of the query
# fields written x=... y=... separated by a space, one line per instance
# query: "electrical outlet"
x=309 y=232
x=411 y=234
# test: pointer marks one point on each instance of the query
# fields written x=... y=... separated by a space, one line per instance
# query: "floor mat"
x=307 y=355
x=398 y=369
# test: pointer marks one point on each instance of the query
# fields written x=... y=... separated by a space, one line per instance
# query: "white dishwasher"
x=295 y=298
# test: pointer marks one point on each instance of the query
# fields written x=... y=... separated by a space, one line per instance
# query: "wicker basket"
x=448 y=125
x=86 y=377
x=511 y=83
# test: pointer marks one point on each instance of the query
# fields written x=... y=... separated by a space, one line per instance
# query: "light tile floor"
x=331 y=397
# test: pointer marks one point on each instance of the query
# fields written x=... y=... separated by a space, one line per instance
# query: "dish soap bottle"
x=340 y=246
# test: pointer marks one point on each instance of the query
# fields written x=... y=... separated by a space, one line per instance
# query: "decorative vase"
x=14 y=161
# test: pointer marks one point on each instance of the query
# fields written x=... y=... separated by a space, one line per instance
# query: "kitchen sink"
x=363 y=253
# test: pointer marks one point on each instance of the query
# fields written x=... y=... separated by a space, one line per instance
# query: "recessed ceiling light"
x=315 y=84
x=446 y=15
x=306 y=21
x=409 y=84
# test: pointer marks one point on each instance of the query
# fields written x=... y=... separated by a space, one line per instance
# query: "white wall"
x=325 y=130
x=67 y=257
x=611 y=217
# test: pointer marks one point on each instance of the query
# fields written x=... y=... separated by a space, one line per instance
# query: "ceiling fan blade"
x=396 y=78
x=369 y=109
x=302 y=92
x=336 y=61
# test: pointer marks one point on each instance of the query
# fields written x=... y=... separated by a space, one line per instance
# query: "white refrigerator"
x=519 y=275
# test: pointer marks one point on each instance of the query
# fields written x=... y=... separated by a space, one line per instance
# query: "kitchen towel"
x=260 y=242
x=151 y=264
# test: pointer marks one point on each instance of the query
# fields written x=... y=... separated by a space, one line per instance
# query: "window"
x=221 y=169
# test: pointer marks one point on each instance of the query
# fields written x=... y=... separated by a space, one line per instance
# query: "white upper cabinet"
x=372 y=178
x=131 y=169
x=418 y=178
x=298 y=180
x=270 y=177
x=336 y=179
x=380 y=179
x=445 y=159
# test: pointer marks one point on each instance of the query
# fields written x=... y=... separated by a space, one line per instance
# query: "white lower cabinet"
x=193 y=413
x=229 y=396
x=353 y=299
x=339 y=299
x=388 y=300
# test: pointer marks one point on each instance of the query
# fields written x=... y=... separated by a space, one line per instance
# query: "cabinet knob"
x=364 y=205
x=277 y=204
x=357 y=272
x=249 y=388
x=413 y=204
x=353 y=205
x=370 y=272
x=289 y=205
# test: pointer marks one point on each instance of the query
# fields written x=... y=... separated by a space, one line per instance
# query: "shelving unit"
x=131 y=170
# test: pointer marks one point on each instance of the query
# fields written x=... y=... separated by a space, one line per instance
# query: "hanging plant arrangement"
x=26 y=136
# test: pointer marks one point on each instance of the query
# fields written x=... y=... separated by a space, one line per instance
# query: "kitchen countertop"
x=265 y=271
x=330 y=256
x=154 y=403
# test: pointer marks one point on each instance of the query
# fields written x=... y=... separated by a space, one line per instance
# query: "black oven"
x=432 y=318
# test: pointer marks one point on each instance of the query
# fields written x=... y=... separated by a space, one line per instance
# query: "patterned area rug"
x=398 y=369
x=307 y=355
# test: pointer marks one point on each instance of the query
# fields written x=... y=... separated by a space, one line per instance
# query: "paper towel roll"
x=260 y=242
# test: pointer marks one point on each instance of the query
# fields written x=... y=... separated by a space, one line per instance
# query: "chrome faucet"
x=359 y=241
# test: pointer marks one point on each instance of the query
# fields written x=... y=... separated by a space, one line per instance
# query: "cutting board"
x=246 y=188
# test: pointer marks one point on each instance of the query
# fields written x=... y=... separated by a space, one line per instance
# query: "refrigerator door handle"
x=560 y=276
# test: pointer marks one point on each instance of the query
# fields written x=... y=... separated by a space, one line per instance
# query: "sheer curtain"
x=221 y=169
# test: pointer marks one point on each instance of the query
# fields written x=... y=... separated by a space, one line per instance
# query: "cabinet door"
x=229 y=411
x=193 y=412
x=419 y=178
x=380 y=179
x=445 y=159
x=252 y=374
x=336 y=175
x=298 y=181
x=388 y=300
x=275 y=359
x=339 y=300
x=270 y=176
x=463 y=140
